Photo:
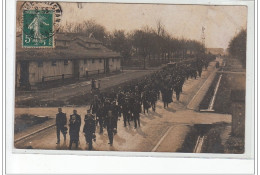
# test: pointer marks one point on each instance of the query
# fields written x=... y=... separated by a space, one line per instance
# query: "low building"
x=74 y=56
x=215 y=51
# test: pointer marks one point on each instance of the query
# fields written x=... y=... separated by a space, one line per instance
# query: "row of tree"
x=147 y=42
x=237 y=47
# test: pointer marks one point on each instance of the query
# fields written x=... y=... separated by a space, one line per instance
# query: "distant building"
x=215 y=51
x=73 y=56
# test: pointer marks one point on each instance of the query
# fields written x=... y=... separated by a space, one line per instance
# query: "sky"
x=181 y=21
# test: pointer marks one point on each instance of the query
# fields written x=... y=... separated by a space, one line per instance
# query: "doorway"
x=106 y=65
x=76 y=68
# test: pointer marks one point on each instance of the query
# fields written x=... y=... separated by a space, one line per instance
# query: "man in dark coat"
x=116 y=111
x=100 y=116
x=89 y=129
x=136 y=112
x=75 y=122
x=61 y=121
x=153 y=98
x=120 y=98
x=110 y=126
x=145 y=100
x=126 y=111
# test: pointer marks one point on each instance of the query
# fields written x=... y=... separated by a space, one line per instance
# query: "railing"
x=54 y=76
x=64 y=76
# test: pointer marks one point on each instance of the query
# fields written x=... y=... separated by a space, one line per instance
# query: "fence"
x=88 y=74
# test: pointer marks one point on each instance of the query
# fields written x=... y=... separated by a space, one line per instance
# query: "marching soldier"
x=178 y=89
x=145 y=100
x=89 y=129
x=94 y=105
x=125 y=111
x=116 y=113
x=153 y=99
x=110 y=126
x=136 y=112
x=120 y=98
x=75 y=122
x=61 y=121
x=100 y=116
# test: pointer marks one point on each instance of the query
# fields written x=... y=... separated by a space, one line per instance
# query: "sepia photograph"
x=92 y=76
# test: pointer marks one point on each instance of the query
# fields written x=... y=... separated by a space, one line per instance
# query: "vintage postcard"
x=130 y=77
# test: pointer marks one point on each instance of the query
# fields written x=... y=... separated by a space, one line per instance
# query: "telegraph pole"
x=203 y=35
x=203 y=38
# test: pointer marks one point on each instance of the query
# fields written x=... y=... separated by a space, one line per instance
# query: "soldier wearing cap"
x=136 y=112
x=100 y=117
x=61 y=121
x=74 y=124
x=110 y=126
x=116 y=114
x=94 y=105
x=89 y=128
x=126 y=110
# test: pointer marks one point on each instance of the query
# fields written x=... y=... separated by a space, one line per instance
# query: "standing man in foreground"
x=75 y=122
x=89 y=129
x=61 y=121
x=110 y=126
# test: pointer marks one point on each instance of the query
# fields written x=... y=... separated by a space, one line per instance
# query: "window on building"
x=53 y=62
x=40 y=63
x=85 y=61
x=100 y=60
x=66 y=62
x=93 y=60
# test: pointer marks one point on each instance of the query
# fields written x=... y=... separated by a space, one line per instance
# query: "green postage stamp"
x=38 y=28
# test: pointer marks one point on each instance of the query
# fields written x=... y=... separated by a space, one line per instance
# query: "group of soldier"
x=139 y=96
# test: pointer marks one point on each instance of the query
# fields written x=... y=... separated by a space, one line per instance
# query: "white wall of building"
x=36 y=73
x=91 y=67
x=47 y=69
x=114 y=64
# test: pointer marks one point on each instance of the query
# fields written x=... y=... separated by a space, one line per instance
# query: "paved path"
x=175 y=121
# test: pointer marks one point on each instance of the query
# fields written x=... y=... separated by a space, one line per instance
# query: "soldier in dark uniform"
x=166 y=96
x=178 y=89
x=95 y=105
x=130 y=104
x=106 y=107
x=125 y=111
x=74 y=124
x=136 y=112
x=199 y=69
x=100 y=116
x=153 y=99
x=145 y=100
x=89 y=129
x=120 y=98
x=61 y=121
x=116 y=113
x=110 y=126
x=112 y=95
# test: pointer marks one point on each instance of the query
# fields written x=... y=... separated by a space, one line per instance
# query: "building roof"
x=76 y=50
x=73 y=36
